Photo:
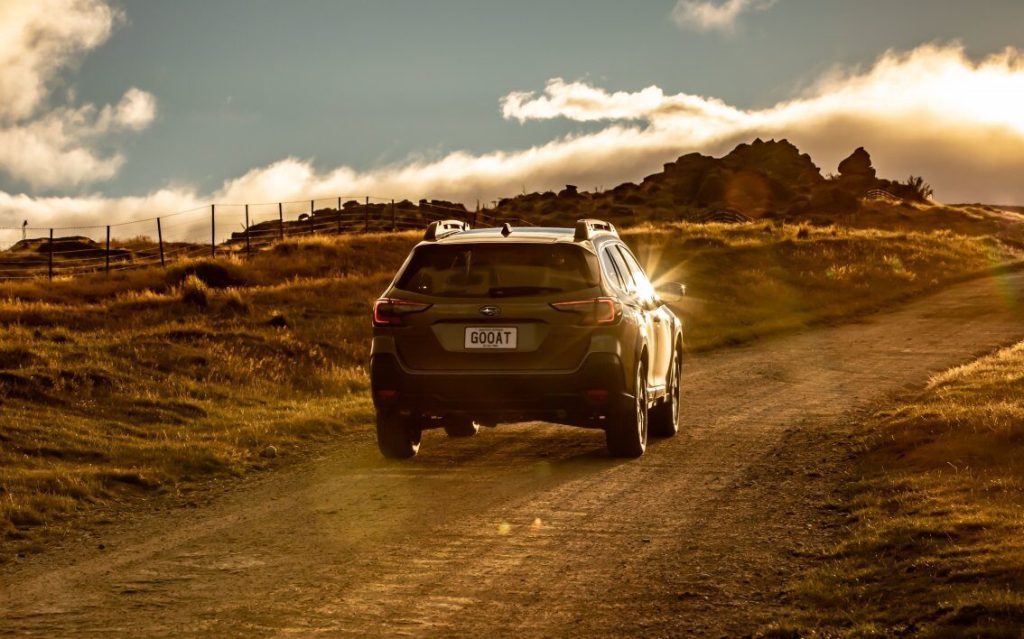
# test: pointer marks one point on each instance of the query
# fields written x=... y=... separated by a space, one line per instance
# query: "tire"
x=626 y=433
x=398 y=435
x=665 y=416
x=460 y=426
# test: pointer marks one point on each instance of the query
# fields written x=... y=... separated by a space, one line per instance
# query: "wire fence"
x=214 y=230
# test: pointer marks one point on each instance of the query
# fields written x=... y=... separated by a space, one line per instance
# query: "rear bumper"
x=556 y=396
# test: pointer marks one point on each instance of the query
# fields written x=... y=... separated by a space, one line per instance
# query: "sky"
x=116 y=109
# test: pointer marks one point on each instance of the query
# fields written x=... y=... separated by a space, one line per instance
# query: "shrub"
x=194 y=291
x=215 y=274
x=277 y=320
x=921 y=190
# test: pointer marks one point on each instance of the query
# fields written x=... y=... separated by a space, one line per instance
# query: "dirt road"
x=528 y=530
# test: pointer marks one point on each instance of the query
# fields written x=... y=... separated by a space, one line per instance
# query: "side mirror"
x=671 y=291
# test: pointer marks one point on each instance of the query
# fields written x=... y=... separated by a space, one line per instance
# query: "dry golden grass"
x=148 y=381
x=936 y=545
x=748 y=281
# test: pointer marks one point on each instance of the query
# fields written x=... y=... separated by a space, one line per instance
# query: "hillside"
x=134 y=382
x=770 y=181
x=148 y=382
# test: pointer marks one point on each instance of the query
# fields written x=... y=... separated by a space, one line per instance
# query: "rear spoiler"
x=586 y=228
x=444 y=228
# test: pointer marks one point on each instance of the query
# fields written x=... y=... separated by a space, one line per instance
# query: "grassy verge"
x=148 y=381
x=936 y=543
x=749 y=281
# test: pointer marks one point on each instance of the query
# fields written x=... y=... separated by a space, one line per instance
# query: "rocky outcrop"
x=570 y=191
x=761 y=179
x=857 y=166
x=753 y=178
x=779 y=161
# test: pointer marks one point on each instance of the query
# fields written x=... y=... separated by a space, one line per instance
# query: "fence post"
x=108 y=249
x=339 y=215
x=248 y=246
x=213 y=230
x=280 y=218
x=366 y=215
x=50 y=246
x=392 y=215
x=160 y=239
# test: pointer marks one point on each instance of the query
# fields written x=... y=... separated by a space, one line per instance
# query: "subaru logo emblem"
x=490 y=311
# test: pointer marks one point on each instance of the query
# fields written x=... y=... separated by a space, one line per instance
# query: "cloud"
x=711 y=15
x=40 y=38
x=932 y=111
x=136 y=110
x=49 y=146
x=584 y=103
x=52 y=149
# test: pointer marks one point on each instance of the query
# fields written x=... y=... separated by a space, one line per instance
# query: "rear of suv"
x=510 y=324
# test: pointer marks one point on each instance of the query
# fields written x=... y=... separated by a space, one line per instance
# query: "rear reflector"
x=389 y=312
x=387 y=394
x=597 y=395
x=599 y=310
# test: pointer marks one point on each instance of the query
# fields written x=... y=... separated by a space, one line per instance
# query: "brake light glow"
x=599 y=310
x=389 y=312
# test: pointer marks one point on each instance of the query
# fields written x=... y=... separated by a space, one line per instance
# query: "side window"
x=643 y=285
x=612 y=270
x=627 y=276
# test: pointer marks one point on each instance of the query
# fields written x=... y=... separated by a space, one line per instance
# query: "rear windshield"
x=498 y=270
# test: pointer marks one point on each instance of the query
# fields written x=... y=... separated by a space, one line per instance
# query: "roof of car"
x=538 y=234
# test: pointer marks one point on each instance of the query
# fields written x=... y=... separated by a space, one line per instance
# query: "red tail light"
x=389 y=312
x=600 y=310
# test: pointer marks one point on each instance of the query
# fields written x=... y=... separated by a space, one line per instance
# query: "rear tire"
x=459 y=426
x=626 y=433
x=665 y=416
x=398 y=435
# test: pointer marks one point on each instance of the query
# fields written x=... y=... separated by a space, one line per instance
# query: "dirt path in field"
x=528 y=530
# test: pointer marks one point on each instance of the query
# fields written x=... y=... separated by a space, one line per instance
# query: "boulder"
x=857 y=166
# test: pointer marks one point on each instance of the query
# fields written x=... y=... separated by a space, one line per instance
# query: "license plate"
x=502 y=338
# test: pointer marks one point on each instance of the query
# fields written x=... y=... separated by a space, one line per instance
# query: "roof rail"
x=444 y=228
x=586 y=228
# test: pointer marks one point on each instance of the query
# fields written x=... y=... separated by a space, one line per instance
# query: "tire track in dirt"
x=531 y=529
